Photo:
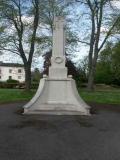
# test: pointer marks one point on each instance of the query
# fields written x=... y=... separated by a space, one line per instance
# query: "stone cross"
x=58 y=37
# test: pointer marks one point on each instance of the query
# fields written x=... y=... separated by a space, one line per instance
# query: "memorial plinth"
x=57 y=93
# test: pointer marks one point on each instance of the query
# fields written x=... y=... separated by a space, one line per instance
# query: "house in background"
x=12 y=71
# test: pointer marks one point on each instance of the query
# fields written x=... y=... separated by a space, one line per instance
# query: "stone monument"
x=57 y=93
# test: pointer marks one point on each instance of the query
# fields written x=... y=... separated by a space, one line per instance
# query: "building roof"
x=11 y=64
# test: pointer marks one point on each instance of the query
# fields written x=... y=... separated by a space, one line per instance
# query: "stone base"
x=57 y=97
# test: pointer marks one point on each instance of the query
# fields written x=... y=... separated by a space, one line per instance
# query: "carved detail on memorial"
x=59 y=60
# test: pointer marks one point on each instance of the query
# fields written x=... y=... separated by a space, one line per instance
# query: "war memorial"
x=57 y=93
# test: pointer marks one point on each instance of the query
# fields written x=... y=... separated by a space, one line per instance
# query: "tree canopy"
x=108 y=66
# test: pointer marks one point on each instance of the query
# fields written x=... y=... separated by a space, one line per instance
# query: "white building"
x=12 y=71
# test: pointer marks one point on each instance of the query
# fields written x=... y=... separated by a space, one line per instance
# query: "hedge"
x=17 y=85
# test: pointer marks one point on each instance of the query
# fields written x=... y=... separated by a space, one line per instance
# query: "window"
x=10 y=77
x=19 y=77
x=19 y=70
x=10 y=70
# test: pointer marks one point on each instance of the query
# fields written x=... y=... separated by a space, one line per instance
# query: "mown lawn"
x=99 y=96
x=13 y=95
x=104 y=97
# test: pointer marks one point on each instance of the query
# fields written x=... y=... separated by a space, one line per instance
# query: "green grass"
x=111 y=96
x=104 y=97
x=13 y=95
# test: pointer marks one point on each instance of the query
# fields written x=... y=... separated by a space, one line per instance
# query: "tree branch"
x=81 y=1
x=35 y=25
x=76 y=40
x=108 y=34
x=87 y=43
x=10 y=50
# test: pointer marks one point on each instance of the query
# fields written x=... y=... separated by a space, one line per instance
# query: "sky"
x=82 y=49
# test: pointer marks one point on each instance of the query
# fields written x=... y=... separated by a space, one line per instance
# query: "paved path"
x=59 y=138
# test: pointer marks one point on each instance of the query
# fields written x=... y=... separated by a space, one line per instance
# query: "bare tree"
x=12 y=12
x=96 y=12
x=26 y=21
x=52 y=9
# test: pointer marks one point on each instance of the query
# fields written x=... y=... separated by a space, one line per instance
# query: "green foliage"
x=80 y=80
x=12 y=81
x=34 y=85
x=36 y=75
x=17 y=85
x=103 y=74
x=8 y=85
x=108 y=67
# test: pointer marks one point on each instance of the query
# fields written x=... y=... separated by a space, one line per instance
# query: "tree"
x=116 y=63
x=36 y=75
x=51 y=9
x=28 y=24
x=98 y=19
x=77 y=73
x=104 y=72
x=116 y=30
x=108 y=66
x=13 y=12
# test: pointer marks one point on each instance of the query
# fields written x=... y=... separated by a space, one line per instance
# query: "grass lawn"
x=111 y=96
x=105 y=97
x=13 y=95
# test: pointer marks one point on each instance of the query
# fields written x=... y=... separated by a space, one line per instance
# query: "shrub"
x=7 y=85
x=34 y=85
x=12 y=81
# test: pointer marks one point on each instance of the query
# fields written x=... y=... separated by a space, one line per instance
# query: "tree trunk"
x=27 y=77
x=90 y=85
x=92 y=71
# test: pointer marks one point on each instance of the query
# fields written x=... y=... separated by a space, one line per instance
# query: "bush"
x=34 y=85
x=8 y=85
x=12 y=84
x=80 y=80
x=12 y=81
x=2 y=84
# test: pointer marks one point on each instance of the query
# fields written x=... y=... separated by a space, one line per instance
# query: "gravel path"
x=60 y=137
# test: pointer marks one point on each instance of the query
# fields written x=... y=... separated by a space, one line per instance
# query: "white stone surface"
x=57 y=93
x=58 y=69
x=58 y=37
x=57 y=96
